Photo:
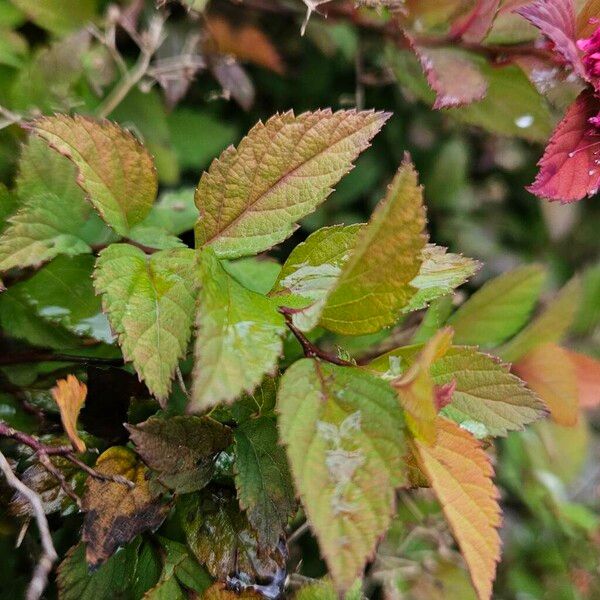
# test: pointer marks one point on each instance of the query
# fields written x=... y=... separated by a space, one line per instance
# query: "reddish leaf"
x=587 y=373
x=452 y=76
x=474 y=26
x=556 y=20
x=570 y=167
x=587 y=18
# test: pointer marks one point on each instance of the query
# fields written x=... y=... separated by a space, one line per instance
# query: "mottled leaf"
x=499 y=308
x=549 y=326
x=114 y=169
x=181 y=449
x=551 y=374
x=263 y=481
x=252 y=196
x=441 y=272
x=374 y=284
x=150 y=303
x=116 y=512
x=460 y=474
x=570 y=167
x=69 y=394
x=343 y=429
x=238 y=339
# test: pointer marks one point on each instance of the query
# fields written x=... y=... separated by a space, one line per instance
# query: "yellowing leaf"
x=416 y=388
x=219 y=591
x=343 y=429
x=115 y=170
x=252 y=196
x=374 y=284
x=549 y=326
x=70 y=395
x=150 y=302
x=460 y=474
x=238 y=339
x=116 y=512
x=550 y=373
x=587 y=372
x=499 y=309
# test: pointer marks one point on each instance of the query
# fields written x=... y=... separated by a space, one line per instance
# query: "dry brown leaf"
x=460 y=474
x=69 y=394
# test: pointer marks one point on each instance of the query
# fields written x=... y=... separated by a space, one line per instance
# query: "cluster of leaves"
x=355 y=430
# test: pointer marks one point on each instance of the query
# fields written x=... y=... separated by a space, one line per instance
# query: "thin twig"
x=49 y=555
x=296 y=535
x=182 y=383
x=97 y=474
x=37 y=356
x=64 y=486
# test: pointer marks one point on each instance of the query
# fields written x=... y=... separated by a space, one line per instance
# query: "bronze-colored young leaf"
x=116 y=512
x=115 y=170
x=460 y=474
x=69 y=394
x=252 y=196
x=374 y=285
x=181 y=449
x=343 y=429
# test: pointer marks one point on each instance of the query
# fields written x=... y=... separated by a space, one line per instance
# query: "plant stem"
x=37 y=356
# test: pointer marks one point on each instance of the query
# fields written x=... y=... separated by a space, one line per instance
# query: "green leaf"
x=252 y=196
x=238 y=339
x=181 y=449
x=8 y=205
x=313 y=268
x=254 y=273
x=58 y=16
x=499 y=308
x=549 y=326
x=440 y=274
x=343 y=429
x=62 y=292
x=114 y=169
x=324 y=590
x=374 y=285
x=114 y=579
x=488 y=400
x=150 y=303
x=54 y=217
x=175 y=212
x=264 y=484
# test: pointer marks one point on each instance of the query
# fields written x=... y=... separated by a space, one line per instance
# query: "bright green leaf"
x=58 y=16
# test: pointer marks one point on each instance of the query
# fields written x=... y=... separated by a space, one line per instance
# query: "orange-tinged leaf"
x=417 y=391
x=246 y=42
x=550 y=373
x=587 y=373
x=460 y=474
x=585 y=19
x=69 y=394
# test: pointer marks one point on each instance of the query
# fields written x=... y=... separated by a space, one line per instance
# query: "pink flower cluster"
x=591 y=61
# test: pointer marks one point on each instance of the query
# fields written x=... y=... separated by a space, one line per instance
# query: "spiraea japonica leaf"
x=570 y=166
x=114 y=169
x=53 y=217
x=252 y=196
x=499 y=308
x=343 y=429
x=486 y=399
x=115 y=512
x=263 y=481
x=181 y=449
x=238 y=337
x=374 y=285
x=150 y=302
x=460 y=474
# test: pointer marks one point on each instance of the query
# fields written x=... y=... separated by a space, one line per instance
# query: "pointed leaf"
x=238 y=339
x=416 y=389
x=441 y=272
x=263 y=481
x=181 y=449
x=549 y=326
x=69 y=394
x=499 y=309
x=475 y=25
x=150 y=303
x=570 y=167
x=343 y=429
x=460 y=474
x=550 y=373
x=252 y=196
x=116 y=512
x=115 y=170
x=556 y=20
x=374 y=284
